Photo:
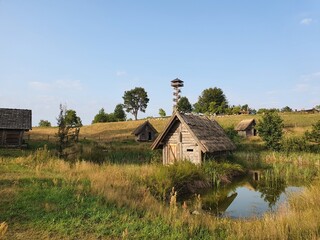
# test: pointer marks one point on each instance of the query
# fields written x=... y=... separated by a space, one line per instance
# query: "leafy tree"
x=245 y=107
x=270 y=130
x=111 y=117
x=72 y=119
x=162 y=113
x=135 y=100
x=44 y=123
x=62 y=130
x=119 y=113
x=314 y=135
x=317 y=107
x=286 y=109
x=100 y=117
x=212 y=100
x=184 y=105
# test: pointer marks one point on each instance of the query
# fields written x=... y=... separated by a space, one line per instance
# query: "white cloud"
x=301 y=87
x=58 y=84
x=311 y=77
x=39 y=85
x=306 y=21
x=121 y=73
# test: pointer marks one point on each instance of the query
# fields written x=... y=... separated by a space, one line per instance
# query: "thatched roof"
x=244 y=124
x=15 y=119
x=140 y=128
x=208 y=134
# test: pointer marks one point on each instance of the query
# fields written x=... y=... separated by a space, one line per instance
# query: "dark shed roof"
x=140 y=128
x=209 y=135
x=15 y=119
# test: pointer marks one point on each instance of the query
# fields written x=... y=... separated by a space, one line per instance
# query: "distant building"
x=13 y=124
x=145 y=132
x=192 y=137
x=246 y=128
x=313 y=110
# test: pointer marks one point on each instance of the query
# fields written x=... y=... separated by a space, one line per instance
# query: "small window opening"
x=189 y=150
x=149 y=136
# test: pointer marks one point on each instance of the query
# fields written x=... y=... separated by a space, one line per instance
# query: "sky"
x=86 y=54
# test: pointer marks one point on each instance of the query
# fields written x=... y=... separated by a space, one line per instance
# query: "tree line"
x=212 y=101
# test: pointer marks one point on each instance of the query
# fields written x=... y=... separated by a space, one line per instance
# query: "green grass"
x=42 y=197
x=43 y=208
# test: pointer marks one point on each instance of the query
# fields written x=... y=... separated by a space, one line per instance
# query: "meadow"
x=128 y=195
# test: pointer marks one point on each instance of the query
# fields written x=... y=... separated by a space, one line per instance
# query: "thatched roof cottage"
x=191 y=137
x=13 y=124
x=246 y=128
x=145 y=132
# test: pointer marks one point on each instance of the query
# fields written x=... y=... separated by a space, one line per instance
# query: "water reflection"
x=246 y=197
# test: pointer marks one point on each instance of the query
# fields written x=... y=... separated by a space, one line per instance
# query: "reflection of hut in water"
x=246 y=128
x=219 y=203
x=145 y=132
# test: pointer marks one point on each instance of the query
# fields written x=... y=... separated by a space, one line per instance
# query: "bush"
x=178 y=176
x=232 y=134
x=294 y=144
x=270 y=130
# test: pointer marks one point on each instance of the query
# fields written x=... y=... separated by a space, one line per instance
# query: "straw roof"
x=244 y=124
x=140 y=128
x=207 y=133
x=15 y=119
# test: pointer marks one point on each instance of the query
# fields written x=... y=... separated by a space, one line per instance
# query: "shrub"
x=294 y=144
x=232 y=134
x=178 y=176
x=270 y=130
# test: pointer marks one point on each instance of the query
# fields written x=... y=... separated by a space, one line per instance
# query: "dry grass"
x=3 y=229
x=295 y=123
x=123 y=185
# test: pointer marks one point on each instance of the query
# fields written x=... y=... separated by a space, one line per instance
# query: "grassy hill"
x=295 y=123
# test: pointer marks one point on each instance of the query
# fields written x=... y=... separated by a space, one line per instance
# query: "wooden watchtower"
x=176 y=84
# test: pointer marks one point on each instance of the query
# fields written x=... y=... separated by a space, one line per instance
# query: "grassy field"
x=295 y=123
x=46 y=198
x=42 y=197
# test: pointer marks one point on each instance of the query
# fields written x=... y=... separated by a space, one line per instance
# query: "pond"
x=246 y=197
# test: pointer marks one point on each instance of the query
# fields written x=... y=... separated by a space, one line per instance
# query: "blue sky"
x=85 y=54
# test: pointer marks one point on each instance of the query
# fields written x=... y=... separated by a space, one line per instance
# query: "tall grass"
x=122 y=188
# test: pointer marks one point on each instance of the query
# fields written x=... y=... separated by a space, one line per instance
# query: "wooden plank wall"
x=11 y=138
x=186 y=148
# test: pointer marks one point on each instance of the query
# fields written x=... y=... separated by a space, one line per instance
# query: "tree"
x=317 y=107
x=286 y=109
x=162 y=113
x=72 y=119
x=184 y=105
x=135 y=100
x=212 y=100
x=119 y=113
x=44 y=123
x=270 y=130
x=314 y=135
x=100 y=117
x=62 y=130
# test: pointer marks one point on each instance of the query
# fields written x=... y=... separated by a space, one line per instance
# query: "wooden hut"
x=246 y=128
x=13 y=124
x=191 y=137
x=145 y=132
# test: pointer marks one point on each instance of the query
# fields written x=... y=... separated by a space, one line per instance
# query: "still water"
x=246 y=198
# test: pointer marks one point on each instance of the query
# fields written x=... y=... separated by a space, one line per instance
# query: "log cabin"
x=192 y=137
x=145 y=132
x=13 y=124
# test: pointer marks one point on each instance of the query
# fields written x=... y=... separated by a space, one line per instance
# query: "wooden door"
x=172 y=153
